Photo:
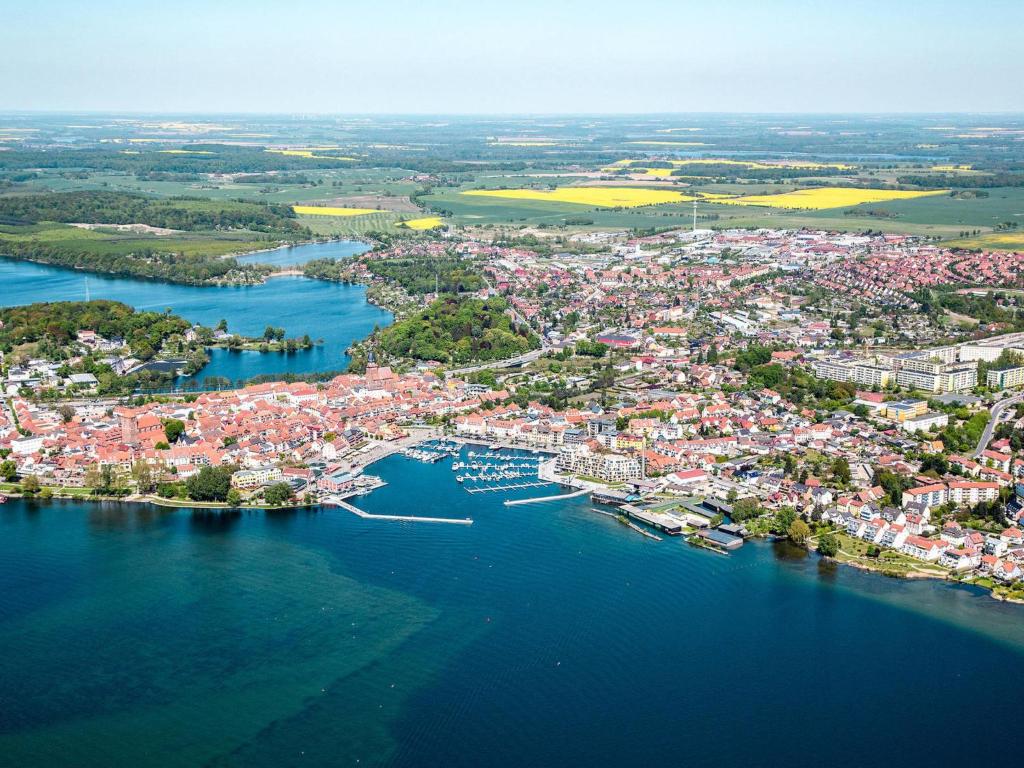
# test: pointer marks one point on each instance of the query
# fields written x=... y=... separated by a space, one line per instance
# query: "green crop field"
x=333 y=183
x=354 y=226
x=108 y=241
x=997 y=241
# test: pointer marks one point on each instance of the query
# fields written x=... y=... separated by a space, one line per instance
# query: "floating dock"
x=511 y=487
x=398 y=518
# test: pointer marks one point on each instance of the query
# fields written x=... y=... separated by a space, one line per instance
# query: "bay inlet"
x=337 y=313
x=136 y=635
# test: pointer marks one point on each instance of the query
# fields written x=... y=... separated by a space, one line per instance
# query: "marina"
x=510 y=487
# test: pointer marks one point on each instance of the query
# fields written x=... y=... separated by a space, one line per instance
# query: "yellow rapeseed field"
x=184 y=152
x=307 y=153
x=323 y=210
x=828 y=197
x=806 y=164
x=659 y=173
x=600 y=197
x=952 y=168
x=427 y=222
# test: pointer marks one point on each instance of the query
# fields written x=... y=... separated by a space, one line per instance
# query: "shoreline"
x=259 y=279
x=914 y=575
x=285 y=245
x=381 y=450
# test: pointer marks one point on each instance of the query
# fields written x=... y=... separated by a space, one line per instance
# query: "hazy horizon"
x=458 y=58
x=295 y=114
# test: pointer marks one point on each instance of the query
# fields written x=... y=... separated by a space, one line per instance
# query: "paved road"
x=510 y=362
x=381 y=449
x=994 y=413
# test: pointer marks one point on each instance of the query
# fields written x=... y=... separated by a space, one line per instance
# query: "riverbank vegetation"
x=180 y=213
x=158 y=343
x=181 y=240
x=192 y=259
x=53 y=326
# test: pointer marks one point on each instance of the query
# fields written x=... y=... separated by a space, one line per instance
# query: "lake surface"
x=541 y=635
x=337 y=313
x=300 y=254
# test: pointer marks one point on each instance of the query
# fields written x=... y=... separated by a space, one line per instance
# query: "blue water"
x=541 y=635
x=337 y=313
x=300 y=254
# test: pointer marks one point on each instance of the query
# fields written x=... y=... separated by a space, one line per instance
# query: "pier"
x=333 y=501
x=629 y=524
x=510 y=487
x=664 y=523
x=539 y=499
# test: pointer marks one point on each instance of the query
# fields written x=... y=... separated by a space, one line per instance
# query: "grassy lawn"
x=56 y=490
x=855 y=550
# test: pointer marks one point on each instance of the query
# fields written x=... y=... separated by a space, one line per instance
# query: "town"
x=712 y=383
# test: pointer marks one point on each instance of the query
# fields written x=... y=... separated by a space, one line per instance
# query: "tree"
x=798 y=531
x=788 y=465
x=173 y=429
x=67 y=413
x=935 y=462
x=8 y=471
x=278 y=494
x=745 y=509
x=234 y=498
x=145 y=479
x=783 y=519
x=841 y=470
x=30 y=485
x=210 y=484
x=828 y=545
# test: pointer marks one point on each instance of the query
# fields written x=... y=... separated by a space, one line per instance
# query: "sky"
x=514 y=56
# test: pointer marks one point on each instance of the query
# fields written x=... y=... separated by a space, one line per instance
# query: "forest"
x=148 y=258
x=182 y=213
x=448 y=274
x=455 y=330
x=57 y=323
